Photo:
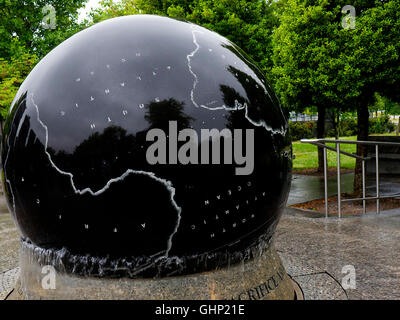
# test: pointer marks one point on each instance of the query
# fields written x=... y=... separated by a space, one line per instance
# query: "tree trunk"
x=362 y=135
x=332 y=116
x=337 y=131
x=321 y=135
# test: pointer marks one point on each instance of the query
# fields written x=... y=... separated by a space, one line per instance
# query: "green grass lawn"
x=307 y=155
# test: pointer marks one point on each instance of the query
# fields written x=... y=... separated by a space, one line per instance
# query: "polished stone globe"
x=145 y=146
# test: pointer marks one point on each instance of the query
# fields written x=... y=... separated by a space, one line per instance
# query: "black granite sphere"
x=146 y=146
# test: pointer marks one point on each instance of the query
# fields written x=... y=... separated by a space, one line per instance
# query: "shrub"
x=381 y=125
x=302 y=130
x=348 y=128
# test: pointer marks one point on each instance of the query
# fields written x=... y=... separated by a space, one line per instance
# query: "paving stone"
x=370 y=243
x=321 y=286
x=9 y=243
x=7 y=282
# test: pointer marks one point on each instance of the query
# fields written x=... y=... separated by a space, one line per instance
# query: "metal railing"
x=321 y=143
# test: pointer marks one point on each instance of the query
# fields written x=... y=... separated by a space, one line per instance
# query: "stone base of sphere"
x=263 y=278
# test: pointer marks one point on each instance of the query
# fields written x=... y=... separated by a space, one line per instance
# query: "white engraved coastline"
x=128 y=172
x=238 y=105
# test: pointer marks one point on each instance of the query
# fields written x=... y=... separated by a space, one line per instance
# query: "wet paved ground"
x=9 y=243
x=306 y=188
x=313 y=250
x=9 y=249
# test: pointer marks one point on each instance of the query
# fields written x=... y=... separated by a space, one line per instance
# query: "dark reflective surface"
x=74 y=149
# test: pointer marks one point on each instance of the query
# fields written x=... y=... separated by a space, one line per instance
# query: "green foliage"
x=23 y=20
x=249 y=24
x=347 y=128
x=381 y=125
x=378 y=37
x=12 y=74
x=110 y=9
x=302 y=130
x=385 y=104
x=317 y=62
x=310 y=63
x=23 y=40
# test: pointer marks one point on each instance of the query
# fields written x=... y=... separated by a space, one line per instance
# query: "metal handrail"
x=351 y=142
x=321 y=143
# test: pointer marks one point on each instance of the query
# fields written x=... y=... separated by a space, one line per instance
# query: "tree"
x=110 y=9
x=317 y=59
x=385 y=104
x=308 y=63
x=374 y=52
x=23 y=20
x=24 y=40
x=249 y=24
x=12 y=74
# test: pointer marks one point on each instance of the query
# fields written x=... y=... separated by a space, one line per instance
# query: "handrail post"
x=377 y=179
x=338 y=181
x=326 y=181
x=363 y=185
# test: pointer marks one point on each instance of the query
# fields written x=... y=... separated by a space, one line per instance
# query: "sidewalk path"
x=314 y=251
x=9 y=253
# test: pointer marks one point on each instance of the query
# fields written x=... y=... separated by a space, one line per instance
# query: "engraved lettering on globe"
x=75 y=172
